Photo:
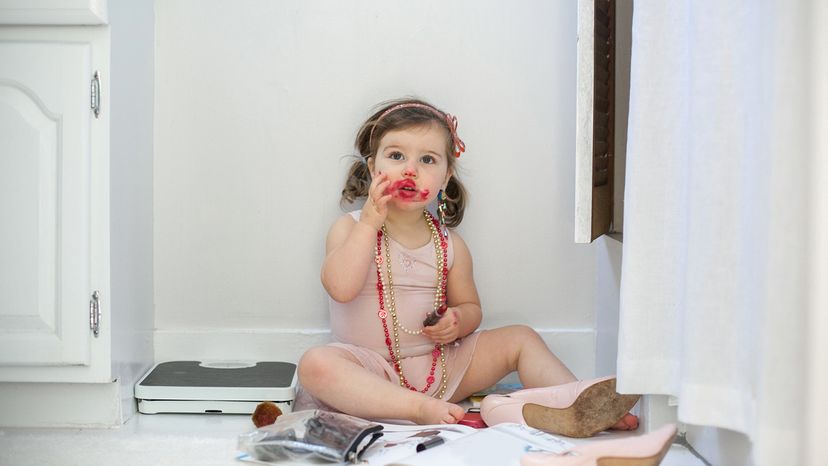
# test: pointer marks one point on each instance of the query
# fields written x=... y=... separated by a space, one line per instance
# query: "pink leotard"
x=356 y=327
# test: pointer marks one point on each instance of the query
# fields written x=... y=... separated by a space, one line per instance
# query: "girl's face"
x=416 y=163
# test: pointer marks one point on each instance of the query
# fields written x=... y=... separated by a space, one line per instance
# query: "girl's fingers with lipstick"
x=446 y=330
x=376 y=205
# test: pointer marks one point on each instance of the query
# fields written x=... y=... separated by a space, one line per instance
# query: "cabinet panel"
x=45 y=160
x=53 y=12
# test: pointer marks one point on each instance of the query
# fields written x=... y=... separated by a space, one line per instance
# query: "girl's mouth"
x=406 y=190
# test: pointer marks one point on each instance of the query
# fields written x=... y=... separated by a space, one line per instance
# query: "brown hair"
x=377 y=125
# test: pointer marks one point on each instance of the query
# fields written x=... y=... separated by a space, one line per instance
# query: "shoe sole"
x=596 y=409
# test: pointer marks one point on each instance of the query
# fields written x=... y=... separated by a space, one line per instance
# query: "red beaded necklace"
x=385 y=294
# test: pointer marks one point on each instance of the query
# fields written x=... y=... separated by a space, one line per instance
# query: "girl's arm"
x=350 y=248
x=464 y=314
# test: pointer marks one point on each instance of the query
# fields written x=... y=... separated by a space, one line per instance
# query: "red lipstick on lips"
x=406 y=190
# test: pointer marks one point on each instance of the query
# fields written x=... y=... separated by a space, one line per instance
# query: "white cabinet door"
x=53 y=12
x=45 y=160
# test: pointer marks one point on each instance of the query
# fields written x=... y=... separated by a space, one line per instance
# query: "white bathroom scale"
x=215 y=387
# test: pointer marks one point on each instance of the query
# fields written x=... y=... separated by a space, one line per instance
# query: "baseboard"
x=575 y=347
x=657 y=411
x=60 y=404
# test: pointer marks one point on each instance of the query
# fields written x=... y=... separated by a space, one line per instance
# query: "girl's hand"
x=376 y=205
x=447 y=329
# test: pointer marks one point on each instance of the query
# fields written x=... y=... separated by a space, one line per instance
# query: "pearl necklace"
x=385 y=294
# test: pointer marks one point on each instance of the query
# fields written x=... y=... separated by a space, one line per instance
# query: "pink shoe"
x=577 y=409
x=643 y=450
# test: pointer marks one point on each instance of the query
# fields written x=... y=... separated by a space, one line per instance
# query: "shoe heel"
x=596 y=409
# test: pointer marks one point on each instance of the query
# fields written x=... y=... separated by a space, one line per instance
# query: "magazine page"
x=502 y=445
x=540 y=440
x=400 y=441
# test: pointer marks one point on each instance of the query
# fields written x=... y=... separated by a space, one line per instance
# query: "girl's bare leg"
x=335 y=376
x=507 y=349
x=518 y=348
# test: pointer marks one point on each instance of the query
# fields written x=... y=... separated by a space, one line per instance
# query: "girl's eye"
x=395 y=155
x=428 y=159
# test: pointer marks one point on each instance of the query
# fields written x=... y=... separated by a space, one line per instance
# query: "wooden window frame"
x=601 y=116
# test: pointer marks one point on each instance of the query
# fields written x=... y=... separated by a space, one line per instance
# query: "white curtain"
x=716 y=242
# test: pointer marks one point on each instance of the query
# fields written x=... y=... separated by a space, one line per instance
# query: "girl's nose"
x=409 y=171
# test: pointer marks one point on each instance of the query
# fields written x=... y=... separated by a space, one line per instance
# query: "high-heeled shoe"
x=577 y=409
x=643 y=450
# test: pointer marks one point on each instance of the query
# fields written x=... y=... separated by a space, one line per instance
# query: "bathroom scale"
x=215 y=387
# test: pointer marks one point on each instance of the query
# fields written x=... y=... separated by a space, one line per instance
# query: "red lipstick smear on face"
x=406 y=190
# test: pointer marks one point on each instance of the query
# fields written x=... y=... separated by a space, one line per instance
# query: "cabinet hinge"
x=96 y=94
x=95 y=314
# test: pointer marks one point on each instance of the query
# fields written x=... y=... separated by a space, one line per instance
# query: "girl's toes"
x=628 y=422
x=631 y=421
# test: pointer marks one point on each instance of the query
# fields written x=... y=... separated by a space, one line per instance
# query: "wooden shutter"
x=595 y=114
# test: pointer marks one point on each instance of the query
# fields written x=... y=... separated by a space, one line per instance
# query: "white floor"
x=162 y=439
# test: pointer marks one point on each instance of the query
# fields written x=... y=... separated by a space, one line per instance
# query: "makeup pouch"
x=311 y=434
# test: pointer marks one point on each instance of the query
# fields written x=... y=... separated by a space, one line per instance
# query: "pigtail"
x=357 y=183
x=359 y=177
x=455 y=195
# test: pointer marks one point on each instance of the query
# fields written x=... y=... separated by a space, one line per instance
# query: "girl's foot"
x=434 y=411
x=628 y=422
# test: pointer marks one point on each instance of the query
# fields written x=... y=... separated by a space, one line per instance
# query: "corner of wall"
x=132 y=25
x=607 y=301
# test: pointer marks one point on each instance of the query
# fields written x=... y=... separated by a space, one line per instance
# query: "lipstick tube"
x=434 y=316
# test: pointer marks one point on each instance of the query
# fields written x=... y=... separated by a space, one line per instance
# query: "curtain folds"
x=715 y=221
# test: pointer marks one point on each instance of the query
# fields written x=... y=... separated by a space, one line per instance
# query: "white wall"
x=257 y=101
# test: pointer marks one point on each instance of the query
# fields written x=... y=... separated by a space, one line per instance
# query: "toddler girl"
x=393 y=263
